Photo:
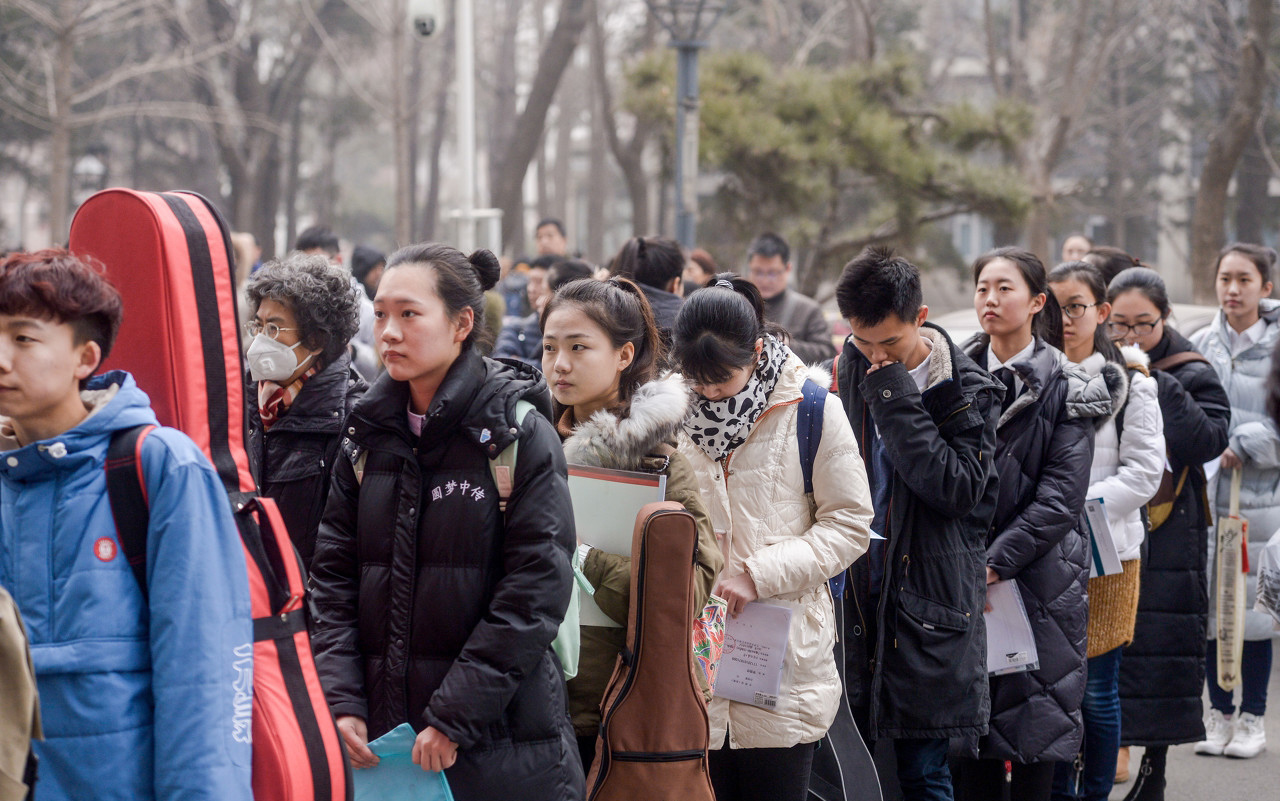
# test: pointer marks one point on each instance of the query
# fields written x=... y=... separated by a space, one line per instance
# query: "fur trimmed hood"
x=658 y=410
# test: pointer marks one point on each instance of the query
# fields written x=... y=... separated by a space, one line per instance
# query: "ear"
x=1037 y=303
x=922 y=316
x=675 y=284
x=1266 y=289
x=626 y=355
x=88 y=359
x=759 y=347
x=463 y=324
x=1104 y=311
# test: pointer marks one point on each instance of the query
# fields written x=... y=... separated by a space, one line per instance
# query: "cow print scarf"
x=720 y=426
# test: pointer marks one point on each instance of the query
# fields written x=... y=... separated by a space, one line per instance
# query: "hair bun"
x=1272 y=256
x=486 y=266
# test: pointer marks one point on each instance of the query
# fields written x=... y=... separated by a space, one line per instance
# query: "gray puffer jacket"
x=1043 y=454
x=1254 y=438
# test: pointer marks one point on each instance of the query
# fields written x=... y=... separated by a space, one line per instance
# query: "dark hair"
x=460 y=280
x=1144 y=280
x=705 y=261
x=320 y=295
x=876 y=284
x=546 y=262
x=364 y=259
x=544 y=222
x=1263 y=258
x=1110 y=261
x=563 y=272
x=58 y=285
x=716 y=330
x=623 y=313
x=1091 y=277
x=1046 y=323
x=768 y=245
x=318 y=237
x=653 y=261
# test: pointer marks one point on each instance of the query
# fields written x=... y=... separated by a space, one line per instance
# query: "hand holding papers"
x=755 y=647
x=396 y=778
x=605 y=505
x=1011 y=645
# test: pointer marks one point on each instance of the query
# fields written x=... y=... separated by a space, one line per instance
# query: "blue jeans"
x=1101 y=712
x=1255 y=672
x=923 y=774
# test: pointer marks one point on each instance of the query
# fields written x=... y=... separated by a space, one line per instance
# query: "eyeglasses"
x=1076 y=310
x=1120 y=330
x=253 y=328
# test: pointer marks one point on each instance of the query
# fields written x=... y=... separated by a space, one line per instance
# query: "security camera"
x=425 y=16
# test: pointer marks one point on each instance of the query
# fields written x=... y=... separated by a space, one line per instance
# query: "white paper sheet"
x=1104 y=558
x=605 y=505
x=755 y=650
x=1011 y=645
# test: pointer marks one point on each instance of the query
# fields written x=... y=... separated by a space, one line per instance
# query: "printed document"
x=1104 y=558
x=1011 y=645
x=755 y=650
x=605 y=505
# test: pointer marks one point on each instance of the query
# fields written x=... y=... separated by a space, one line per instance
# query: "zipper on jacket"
x=966 y=407
x=657 y=756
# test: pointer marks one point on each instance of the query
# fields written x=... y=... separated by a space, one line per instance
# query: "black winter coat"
x=1162 y=670
x=292 y=461
x=433 y=609
x=1043 y=457
x=925 y=674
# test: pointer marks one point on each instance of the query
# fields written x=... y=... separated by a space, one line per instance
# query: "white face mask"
x=273 y=361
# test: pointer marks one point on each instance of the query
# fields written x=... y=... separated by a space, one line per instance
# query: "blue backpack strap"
x=127 y=492
x=809 y=428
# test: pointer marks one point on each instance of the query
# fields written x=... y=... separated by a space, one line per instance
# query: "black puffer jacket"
x=292 y=460
x=1043 y=457
x=429 y=608
x=931 y=680
x=1162 y=671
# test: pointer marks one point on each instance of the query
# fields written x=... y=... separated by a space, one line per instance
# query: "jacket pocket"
x=932 y=615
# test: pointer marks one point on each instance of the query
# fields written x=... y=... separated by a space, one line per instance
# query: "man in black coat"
x=925 y=417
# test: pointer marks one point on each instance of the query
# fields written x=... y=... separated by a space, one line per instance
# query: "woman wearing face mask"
x=302 y=384
x=780 y=546
x=1239 y=343
x=1043 y=454
x=1128 y=462
x=433 y=606
x=600 y=348
x=1162 y=670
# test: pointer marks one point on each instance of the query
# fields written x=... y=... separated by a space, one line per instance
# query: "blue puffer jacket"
x=137 y=704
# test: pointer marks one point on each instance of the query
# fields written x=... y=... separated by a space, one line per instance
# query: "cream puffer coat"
x=790 y=547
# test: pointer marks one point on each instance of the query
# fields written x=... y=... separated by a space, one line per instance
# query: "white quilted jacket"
x=790 y=549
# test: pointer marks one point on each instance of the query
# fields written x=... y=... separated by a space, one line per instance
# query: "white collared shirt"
x=994 y=363
x=1240 y=341
x=921 y=371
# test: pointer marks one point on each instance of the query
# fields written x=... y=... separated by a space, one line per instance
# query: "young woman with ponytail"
x=433 y=607
x=1128 y=462
x=781 y=544
x=600 y=350
x=1043 y=454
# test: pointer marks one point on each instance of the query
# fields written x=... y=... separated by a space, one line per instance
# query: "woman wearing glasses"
x=301 y=384
x=1128 y=462
x=1162 y=671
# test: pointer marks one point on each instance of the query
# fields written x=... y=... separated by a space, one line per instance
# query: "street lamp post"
x=688 y=22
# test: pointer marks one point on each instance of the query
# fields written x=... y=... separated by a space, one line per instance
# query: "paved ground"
x=1201 y=778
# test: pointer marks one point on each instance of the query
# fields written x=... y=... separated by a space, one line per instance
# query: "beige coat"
x=19 y=710
x=790 y=549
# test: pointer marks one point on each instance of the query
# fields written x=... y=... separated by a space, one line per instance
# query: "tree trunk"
x=598 y=184
x=60 y=134
x=431 y=207
x=509 y=170
x=400 y=125
x=292 y=185
x=1226 y=144
x=629 y=155
x=1253 y=207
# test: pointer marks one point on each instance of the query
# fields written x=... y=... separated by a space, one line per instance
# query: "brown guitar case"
x=653 y=729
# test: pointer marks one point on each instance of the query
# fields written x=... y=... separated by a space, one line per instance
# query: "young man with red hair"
x=142 y=695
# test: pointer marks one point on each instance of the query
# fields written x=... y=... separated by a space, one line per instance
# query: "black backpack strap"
x=809 y=428
x=127 y=491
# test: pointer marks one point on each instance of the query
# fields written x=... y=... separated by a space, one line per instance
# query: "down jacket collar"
x=658 y=409
x=1087 y=396
x=1115 y=377
x=477 y=397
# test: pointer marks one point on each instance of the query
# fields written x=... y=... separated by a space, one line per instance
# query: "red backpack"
x=169 y=255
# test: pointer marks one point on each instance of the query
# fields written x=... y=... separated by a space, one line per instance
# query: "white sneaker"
x=1249 y=740
x=1217 y=733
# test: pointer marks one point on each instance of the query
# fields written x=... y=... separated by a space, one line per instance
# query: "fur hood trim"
x=658 y=410
x=819 y=375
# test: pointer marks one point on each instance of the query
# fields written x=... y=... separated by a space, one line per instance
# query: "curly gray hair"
x=319 y=293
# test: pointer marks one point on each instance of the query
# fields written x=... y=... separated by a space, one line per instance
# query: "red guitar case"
x=653 y=721
x=169 y=254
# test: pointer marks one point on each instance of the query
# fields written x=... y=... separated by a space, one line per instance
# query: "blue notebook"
x=396 y=778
